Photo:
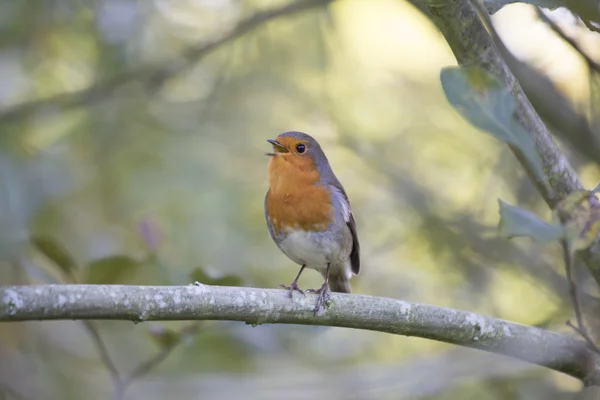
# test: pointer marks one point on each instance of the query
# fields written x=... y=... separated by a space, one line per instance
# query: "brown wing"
x=351 y=224
x=355 y=254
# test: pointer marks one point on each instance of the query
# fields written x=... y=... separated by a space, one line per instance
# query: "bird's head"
x=296 y=156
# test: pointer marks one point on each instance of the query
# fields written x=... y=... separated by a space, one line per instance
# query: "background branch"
x=167 y=348
x=153 y=76
x=592 y=64
x=103 y=352
x=450 y=367
x=471 y=44
x=170 y=342
x=257 y=306
x=580 y=328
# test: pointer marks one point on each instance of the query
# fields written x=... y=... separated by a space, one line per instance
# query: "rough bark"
x=260 y=306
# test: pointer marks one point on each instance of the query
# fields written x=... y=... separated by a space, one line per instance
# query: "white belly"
x=314 y=249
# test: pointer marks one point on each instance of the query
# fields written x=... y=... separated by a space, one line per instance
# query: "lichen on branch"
x=256 y=306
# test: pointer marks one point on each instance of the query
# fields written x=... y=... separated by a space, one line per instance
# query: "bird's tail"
x=339 y=283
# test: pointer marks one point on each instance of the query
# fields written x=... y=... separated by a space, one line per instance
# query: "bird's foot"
x=293 y=287
x=323 y=298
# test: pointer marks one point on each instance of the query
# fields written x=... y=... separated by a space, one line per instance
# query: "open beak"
x=277 y=148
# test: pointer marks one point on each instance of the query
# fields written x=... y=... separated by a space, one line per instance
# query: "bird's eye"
x=300 y=148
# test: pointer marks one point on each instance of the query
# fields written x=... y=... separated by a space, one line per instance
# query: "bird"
x=308 y=215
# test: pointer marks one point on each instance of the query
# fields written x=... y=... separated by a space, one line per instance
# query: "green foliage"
x=201 y=275
x=111 y=270
x=164 y=337
x=486 y=103
x=57 y=254
x=188 y=156
x=578 y=217
x=517 y=222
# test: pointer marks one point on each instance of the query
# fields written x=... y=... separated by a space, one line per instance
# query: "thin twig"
x=580 y=328
x=103 y=352
x=568 y=259
x=121 y=384
x=153 y=76
x=147 y=366
x=559 y=31
x=97 y=340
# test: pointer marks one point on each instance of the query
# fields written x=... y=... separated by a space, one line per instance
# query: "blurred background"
x=132 y=151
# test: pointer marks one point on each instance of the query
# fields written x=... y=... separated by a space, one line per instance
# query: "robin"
x=309 y=216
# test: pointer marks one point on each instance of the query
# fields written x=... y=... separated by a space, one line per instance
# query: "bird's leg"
x=323 y=292
x=294 y=284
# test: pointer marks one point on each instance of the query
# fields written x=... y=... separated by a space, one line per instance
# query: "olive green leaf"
x=482 y=99
x=201 y=275
x=56 y=253
x=111 y=270
x=517 y=222
x=164 y=337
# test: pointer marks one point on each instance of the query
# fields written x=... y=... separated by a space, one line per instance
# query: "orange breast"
x=294 y=200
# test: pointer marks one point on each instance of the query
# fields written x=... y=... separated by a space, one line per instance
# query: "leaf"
x=111 y=270
x=482 y=99
x=56 y=253
x=579 y=213
x=209 y=277
x=164 y=337
x=517 y=222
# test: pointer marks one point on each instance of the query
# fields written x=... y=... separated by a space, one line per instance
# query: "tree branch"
x=471 y=44
x=592 y=64
x=153 y=76
x=257 y=306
